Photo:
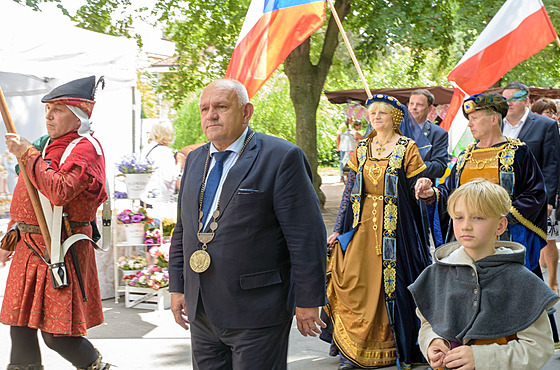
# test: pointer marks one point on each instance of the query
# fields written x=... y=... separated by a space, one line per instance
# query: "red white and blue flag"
x=272 y=29
x=520 y=29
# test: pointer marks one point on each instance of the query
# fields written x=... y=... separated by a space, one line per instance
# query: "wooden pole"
x=10 y=128
x=350 y=50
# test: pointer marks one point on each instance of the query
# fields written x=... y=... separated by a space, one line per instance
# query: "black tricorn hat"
x=79 y=93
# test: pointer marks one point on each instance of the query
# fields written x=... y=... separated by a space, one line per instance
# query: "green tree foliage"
x=105 y=16
x=34 y=4
x=205 y=34
x=187 y=124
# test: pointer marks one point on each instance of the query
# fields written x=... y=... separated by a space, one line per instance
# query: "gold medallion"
x=205 y=238
x=200 y=261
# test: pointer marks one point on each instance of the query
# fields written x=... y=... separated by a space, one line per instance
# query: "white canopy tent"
x=39 y=52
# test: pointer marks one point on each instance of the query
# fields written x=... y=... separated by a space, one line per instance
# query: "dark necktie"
x=212 y=182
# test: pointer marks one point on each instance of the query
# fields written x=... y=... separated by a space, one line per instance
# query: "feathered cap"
x=493 y=101
x=79 y=93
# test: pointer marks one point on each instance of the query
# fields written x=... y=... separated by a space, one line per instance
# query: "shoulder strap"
x=148 y=154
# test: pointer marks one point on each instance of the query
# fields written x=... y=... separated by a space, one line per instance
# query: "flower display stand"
x=147 y=298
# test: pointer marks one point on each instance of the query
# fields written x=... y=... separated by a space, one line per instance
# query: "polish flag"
x=272 y=29
x=520 y=29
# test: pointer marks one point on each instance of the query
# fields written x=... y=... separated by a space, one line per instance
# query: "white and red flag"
x=272 y=29
x=520 y=29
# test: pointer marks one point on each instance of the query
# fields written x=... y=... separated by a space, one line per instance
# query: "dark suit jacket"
x=269 y=250
x=437 y=158
x=540 y=133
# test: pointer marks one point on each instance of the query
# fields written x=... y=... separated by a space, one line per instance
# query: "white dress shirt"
x=228 y=164
x=513 y=131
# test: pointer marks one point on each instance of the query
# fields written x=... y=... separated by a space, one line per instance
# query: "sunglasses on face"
x=520 y=95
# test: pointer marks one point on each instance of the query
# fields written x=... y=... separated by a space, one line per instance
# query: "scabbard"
x=75 y=260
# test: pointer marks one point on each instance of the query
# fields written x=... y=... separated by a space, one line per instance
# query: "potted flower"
x=134 y=223
x=154 y=277
x=131 y=265
x=137 y=172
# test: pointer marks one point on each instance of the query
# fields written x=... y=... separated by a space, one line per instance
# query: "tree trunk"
x=306 y=85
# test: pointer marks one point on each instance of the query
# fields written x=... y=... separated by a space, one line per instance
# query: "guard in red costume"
x=67 y=167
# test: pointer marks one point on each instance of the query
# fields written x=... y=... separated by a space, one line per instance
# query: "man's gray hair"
x=516 y=85
x=238 y=87
x=426 y=93
x=500 y=117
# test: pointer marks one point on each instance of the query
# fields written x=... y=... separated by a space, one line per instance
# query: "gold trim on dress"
x=397 y=155
x=417 y=172
x=390 y=217
x=390 y=278
x=528 y=224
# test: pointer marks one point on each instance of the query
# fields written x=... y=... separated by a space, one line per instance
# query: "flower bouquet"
x=154 y=277
x=161 y=254
x=131 y=263
x=134 y=165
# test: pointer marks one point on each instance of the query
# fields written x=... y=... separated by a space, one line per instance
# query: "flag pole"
x=347 y=42
x=33 y=196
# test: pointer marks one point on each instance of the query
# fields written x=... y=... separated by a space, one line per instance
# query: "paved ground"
x=137 y=339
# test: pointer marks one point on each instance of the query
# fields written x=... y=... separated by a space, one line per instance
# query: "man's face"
x=419 y=107
x=60 y=120
x=516 y=107
x=221 y=117
x=481 y=124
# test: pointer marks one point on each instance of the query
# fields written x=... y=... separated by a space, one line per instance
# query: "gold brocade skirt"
x=356 y=298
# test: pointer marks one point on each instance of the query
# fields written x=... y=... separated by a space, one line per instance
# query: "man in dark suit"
x=436 y=158
x=243 y=262
x=540 y=133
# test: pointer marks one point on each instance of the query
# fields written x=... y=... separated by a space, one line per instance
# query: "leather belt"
x=35 y=229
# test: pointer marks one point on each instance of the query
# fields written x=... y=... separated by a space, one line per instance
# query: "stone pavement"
x=136 y=339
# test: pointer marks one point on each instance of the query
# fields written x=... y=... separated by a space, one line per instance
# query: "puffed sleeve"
x=413 y=162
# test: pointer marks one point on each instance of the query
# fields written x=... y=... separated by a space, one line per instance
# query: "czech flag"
x=520 y=29
x=272 y=29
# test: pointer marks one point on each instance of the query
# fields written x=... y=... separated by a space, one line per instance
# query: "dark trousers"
x=238 y=349
x=25 y=347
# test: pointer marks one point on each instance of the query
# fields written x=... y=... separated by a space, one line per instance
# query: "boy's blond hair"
x=481 y=196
